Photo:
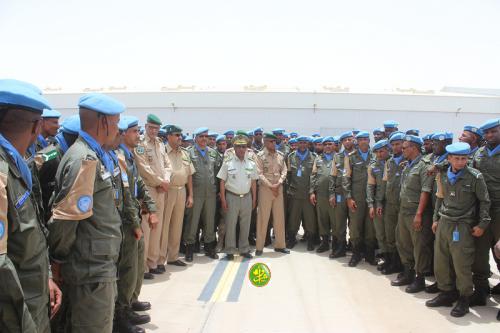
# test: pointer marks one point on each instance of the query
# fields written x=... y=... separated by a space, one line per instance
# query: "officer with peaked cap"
x=50 y=125
x=85 y=230
x=24 y=265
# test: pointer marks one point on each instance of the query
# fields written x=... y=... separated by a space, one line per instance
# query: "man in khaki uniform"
x=272 y=173
x=154 y=168
x=176 y=202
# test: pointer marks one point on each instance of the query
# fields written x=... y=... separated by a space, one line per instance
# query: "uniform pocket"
x=102 y=247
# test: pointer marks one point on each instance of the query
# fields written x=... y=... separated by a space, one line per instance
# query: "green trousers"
x=301 y=210
x=140 y=275
x=326 y=216
x=391 y=212
x=128 y=268
x=341 y=215
x=361 y=228
x=415 y=247
x=204 y=209
x=453 y=259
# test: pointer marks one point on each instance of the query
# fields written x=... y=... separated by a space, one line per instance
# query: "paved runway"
x=307 y=293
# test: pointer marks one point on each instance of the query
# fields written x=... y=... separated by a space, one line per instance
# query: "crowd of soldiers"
x=93 y=205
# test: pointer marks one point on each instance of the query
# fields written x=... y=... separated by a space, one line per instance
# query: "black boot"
x=405 y=278
x=370 y=255
x=383 y=261
x=121 y=324
x=417 y=285
x=445 y=298
x=479 y=297
x=291 y=241
x=210 y=250
x=462 y=307
x=339 y=251
x=324 y=246
x=395 y=264
x=356 y=257
x=137 y=319
x=432 y=289
x=310 y=242
x=495 y=290
x=189 y=252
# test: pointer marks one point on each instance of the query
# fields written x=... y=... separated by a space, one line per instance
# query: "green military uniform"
x=375 y=198
x=354 y=182
x=85 y=234
x=336 y=190
x=459 y=207
x=299 y=206
x=415 y=247
x=204 y=197
x=24 y=263
x=320 y=182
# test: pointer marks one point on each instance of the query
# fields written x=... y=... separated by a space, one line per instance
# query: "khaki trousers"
x=172 y=228
x=269 y=203
x=152 y=236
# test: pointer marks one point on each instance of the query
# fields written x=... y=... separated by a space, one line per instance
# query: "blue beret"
x=396 y=136
x=336 y=139
x=220 y=138
x=285 y=135
x=187 y=138
x=101 y=103
x=414 y=139
x=258 y=129
x=127 y=122
x=213 y=134
x=200 y=130
x=294 y=134
x=278 y=131
x=355 y=131
x=318 y=140
x=328 y=139
x=390 y=124
x=362 y=134
x=378 y=130
x=303 y=138
x=441 y=136
x=293 y=140
x=474 y=130
x=427 y=137
x=489 y=124
x=458 y=148
x=229 y=132
x=23 y=95
x=71 y=125
x=413 y=130
x=380 y=144
x=250 y=133
x=163 y=132
x=49 y=113
x=345 y=135
x=315 y=135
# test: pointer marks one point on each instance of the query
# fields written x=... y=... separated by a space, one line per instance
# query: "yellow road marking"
x=226 y=279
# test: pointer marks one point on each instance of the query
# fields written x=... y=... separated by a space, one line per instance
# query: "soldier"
x=50 y=125
x=318 y=145
x=257 y=144
x=414 y=238
x=293 y=144
x=238 y=192
x=428 y=144
x=280 y=144
x=413 y=131
x=187 y=141
x=212 y=136
x=337 y=195
x=487 y=161
x=390 y=126
x=229 y=134
x=131 y=265
x=85 y=230
x=24 y=266
x=272 y=172
x=378 y=134
x=300 y=165
x=219 y=219
x=179 y=197
x=392 y=179
x=207 y=163
x=439 y=142
x=319 y=194
x=294 y=135
x=336 y=144
x=473 y=136
x=155 y=170
x=462 y=201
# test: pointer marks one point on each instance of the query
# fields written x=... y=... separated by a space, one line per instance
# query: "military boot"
x=356 y=257
x=386 y=264
x=405 y=278
x=370 y=255
x=417 y=285
x=210 y=250
x=461 y=308
x=189 y=252
x=291 y=241
x=338 y=252
x=324 y=246
x=445 y=298
x=479 y=297
x=310 y=242
x=135 y=318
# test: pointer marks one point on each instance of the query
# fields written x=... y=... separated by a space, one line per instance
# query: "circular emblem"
x=259 y=274
x=84 y=203
x=2 y=229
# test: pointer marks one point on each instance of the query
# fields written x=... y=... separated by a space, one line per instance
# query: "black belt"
x=238 y=195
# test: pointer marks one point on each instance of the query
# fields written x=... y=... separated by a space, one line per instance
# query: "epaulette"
x=475 y=172
x=280 y=152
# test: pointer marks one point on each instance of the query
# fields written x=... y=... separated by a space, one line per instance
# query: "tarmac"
x=307 y=292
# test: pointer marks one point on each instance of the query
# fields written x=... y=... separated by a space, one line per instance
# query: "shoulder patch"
x=139 y=150
x=50 y=155
x=84 y=203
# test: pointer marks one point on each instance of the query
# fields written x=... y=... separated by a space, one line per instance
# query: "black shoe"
x=417 y=285
x=394 y=265
x=189 y=252
x=355 y=259
x=432 y=289
x=247 y=255
x=161 y=268
x=137 y=319
x=291 y=242
x=124 y=326
x=462 y=307
x=324 y=246
x=155 y=271
x=478 y=298
x=405 y=278
x=148 y=276
x=258 y=252
x=384 y=261
x=339 y=251
x=285 y=251
x=178 y=262
x=445 y=298
x=141 y=306
x=210 y=250
x=495 y=290
x=310 y=242
x=229 y=256
x=370 y=256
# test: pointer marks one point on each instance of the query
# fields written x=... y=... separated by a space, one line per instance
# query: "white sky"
x=369 y=44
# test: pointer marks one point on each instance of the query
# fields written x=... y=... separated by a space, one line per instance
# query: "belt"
x=238 y=195
x=176 y=187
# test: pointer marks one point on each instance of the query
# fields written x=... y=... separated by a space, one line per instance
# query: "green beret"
x=170 y=129
x=270 y=136
x=240 y=140
x=241 y=132
x=153 y=119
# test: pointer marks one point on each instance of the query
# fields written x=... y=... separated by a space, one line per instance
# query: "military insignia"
x=84 y=203
x=140 y=150
x=50 y=155
x=2 y=229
